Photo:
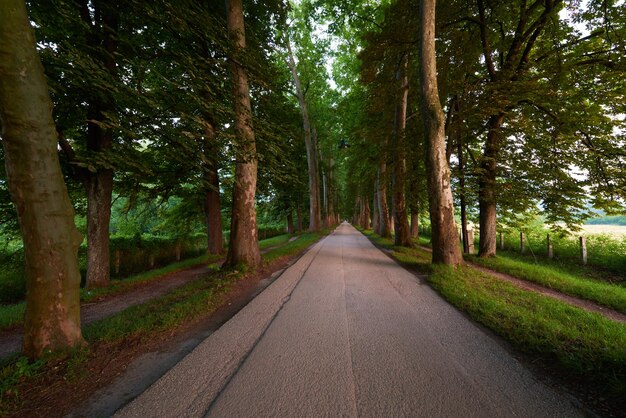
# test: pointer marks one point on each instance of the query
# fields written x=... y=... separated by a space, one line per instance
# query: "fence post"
x=151 y=260
x=501 y=241
x=470 y=241
x=522 y=242
x=550 y=252
x=583 y=249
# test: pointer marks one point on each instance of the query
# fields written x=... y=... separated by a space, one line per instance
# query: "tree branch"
x=485 y=42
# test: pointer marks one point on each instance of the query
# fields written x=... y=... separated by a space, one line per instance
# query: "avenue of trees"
x=226 y=112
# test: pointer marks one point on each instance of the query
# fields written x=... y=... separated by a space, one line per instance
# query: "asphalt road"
x=347 y=332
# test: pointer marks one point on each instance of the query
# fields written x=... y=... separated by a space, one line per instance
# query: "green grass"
x=11 y=315
x=293 y=247
x=274 y=241
x=580 y=344
x=569 y=282
x=122 y=285
x=181 y=305
x=165 y=312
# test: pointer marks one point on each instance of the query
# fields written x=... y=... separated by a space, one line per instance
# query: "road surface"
x=348 y=332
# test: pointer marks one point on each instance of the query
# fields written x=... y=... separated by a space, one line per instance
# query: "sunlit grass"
x=613 y=296
x=577 y=342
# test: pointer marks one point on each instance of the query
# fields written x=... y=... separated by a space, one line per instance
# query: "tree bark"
x=290 y=227
x=445 y=240
x=384 y=224
x=212 y=200
x=461 y=158
x=99 y=187
x=45 y=213
x=299 y=214
x=213 y=213
x=375 y=217
x=402 y=232
x=415 y=234
x=315 y=220
x=99 y=184
x=366 y=213
x=244 y=242
x=487 y=189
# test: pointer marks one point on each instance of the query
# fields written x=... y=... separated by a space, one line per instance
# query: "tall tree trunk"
x=244 y=241
x=212 y=200
x=99 y=187
x=299 y=214
x=99 y=184
x=213 y=213
x=487 y=189
x=290 y=227
x=315 y=221
x=45 y=213
x=402 y=232
x=366 y=213
x=445 y=240
x=415 y=219
x=383 y=209
x=375 y=217
x=461 y=158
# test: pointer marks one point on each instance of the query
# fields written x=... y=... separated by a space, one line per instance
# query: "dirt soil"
x=114 y=373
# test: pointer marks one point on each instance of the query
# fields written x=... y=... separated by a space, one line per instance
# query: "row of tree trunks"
x=244 y=242
x=45 y=213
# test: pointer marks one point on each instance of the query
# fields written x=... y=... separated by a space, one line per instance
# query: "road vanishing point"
x=346 y=331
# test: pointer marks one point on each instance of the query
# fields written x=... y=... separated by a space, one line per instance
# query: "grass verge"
x=12 y=315
x=135 y=324
x=274 y=241
x=584 y=348
x=610 y=295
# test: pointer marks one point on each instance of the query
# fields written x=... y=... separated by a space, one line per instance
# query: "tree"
x=445 y=242
x=46 y=216
x=244 y=242
x=315 y=220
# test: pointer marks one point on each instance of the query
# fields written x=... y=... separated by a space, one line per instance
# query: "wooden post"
x=177 y=249
x=522 y=242
x=118 y=262
x=470 y=241
x=550 y=252
x=151 y=260
x=583 y=249
x=501 y=241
